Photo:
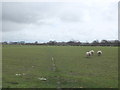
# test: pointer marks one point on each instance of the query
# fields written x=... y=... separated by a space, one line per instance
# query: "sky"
x=86 y=20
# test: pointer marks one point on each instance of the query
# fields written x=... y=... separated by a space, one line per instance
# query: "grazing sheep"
x=92 y=52
x=88 y=54
x=99 y=53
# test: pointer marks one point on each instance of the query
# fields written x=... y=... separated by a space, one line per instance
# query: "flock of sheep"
x=91 y=53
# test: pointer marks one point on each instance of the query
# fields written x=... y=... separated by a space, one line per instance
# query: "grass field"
x=73 y=69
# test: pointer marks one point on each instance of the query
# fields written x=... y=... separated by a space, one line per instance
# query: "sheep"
x=92 y=52
x=88 y=54
x=99 y=53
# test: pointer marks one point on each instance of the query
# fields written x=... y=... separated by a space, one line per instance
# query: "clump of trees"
x=69 y=43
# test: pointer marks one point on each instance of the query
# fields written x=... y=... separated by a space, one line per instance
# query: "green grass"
x=73 y=69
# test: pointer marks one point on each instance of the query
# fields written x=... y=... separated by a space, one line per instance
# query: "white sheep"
x=99 y=53
x=88 y=54
x=92 y=52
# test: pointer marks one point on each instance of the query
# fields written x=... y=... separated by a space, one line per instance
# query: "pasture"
x=72 y=68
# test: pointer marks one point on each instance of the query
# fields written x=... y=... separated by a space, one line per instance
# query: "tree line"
x=69 y=43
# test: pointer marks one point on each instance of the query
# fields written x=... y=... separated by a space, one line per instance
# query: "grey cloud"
x=70 y=17
x=12 y=26
x=18 y=12
x=31 y=12
x=24 y=12
x=14 y=15
x=0 y=11
x=59 y=21
x=119 y=20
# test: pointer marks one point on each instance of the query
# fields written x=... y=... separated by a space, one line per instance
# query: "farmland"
x=73 y=69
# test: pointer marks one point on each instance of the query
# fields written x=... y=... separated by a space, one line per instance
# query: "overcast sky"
x=60 y=21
